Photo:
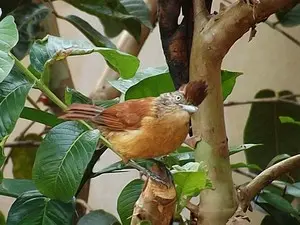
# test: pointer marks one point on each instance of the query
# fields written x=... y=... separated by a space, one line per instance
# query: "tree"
x=63 y=164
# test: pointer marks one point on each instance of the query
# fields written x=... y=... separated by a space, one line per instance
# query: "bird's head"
x=187 y=98
x=175 y=101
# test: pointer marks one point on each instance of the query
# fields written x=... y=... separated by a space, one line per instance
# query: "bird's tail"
x=194 y=91
x=81 y=112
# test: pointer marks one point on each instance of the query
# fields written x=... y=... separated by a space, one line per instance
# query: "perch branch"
x=247 y=193
x=127 y=43
x=157 y=201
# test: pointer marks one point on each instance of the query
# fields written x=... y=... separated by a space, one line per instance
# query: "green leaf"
x=34 y=208
x=228 y=82
x=40 y=116
x=245 y=165
x=2 y=155
x=127 y=199
x=99 y=217
x=148 y=82
x=113 y=27
x=189 y=180
x=264 y=127
x=73 y=96
x=290 y=17
x=278 y=158
x=286 y=119
x=289 y=189
x=13 y=92
x=51 y=49
x=91 y=33
x=278 y=217
x=125 y=14
x=62 y=158
x=244 y=147
x=8 y=39
x=279 y=202
x=2 y=219
x=15 y=187
x=23 y=157
x=181 y=156
x=28 y=18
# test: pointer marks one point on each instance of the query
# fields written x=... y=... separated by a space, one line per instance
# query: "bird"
x=148 y=127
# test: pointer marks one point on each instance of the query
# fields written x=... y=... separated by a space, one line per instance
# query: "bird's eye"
x=178 y=98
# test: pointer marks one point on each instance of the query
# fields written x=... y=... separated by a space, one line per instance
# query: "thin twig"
x=22 y=144
x=247 y=193
x=283 y=99
x=32 y=102
x=291 y=38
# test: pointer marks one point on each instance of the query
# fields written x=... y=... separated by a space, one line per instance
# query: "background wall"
x=268 y=61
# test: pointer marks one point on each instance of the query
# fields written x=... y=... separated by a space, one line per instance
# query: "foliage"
x=50 y=177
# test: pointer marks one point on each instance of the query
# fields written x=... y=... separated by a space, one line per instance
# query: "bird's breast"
x=156 y=137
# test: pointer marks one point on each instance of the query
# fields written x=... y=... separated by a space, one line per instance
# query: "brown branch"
x=230 y=25
x=157 y=201
x=247 y=193
x=192 y=207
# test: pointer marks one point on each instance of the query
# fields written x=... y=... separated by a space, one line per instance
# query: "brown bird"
x=148 y=127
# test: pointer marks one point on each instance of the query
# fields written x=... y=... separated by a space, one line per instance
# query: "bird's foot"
x=192 y=141
x=148 y=173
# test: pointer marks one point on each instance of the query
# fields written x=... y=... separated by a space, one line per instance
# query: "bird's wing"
x=126 y=115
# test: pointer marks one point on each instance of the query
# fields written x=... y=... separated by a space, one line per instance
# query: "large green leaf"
x=127 y=13
x=228 y=82
x=264 y=127
x=8 y=39
x=277 y=217
x=35 y=209
x=189 y=180
x=23 y=157
x=28 y=18
x=62 y=158
x=90 y=32
x=15 y=187
x=148 y=82
x=127 y=199
x=13 y=92
x=50 y=49
x=99 y=217
x=279 y=203
x=40 y=117
x=290 y=17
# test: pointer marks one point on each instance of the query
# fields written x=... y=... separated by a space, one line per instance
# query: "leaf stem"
x=51 y=95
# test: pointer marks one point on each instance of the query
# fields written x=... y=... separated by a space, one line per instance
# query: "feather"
x=194 y=91
x=120 y=117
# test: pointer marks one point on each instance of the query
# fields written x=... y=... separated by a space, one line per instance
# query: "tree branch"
x=285 y=99
x=247 y=193
x=230 y=25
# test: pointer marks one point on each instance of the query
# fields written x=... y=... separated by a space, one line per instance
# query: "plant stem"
x=51 y=95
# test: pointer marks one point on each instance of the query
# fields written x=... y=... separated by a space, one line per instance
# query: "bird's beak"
x=189 y=108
